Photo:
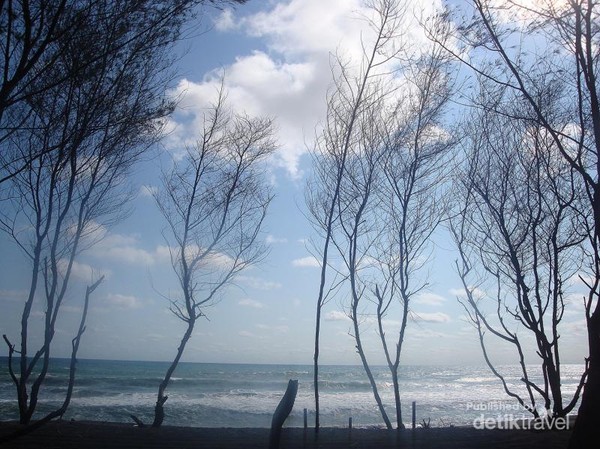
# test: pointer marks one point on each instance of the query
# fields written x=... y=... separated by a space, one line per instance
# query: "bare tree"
x=356 y=213
x=557 y=46
x=59 y=201
x=351 y=94
x=74 y=144
x=391 y=204
x=214 y=202
x=521 y=222
x=59 y=412
x=44 y=45
x=418 y=158
x=376 y=192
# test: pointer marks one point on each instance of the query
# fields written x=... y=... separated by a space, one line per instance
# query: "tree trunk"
x=316 y=367
x=366 y=367
x=159 y=411
x=58 y=413
x=384 y=415
x=587 y=425
x=399 y=422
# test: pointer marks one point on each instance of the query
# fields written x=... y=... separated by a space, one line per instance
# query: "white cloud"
x=246 y=334
x=127 y=254
x=309 y=261
x=271 y=239
x=461 y=294
x=336 y=315
x=258 y=86
x=391 y=323
x=225 y=21
x=210 y=260
x=257 y=283
x=147 y=191
x=435 y=317
x=581 y=279
x=429 y=299
x=126 y=249
x=220 y=260
x=123 y=301
x=284 y=27
x=526 y=11
x=247 y=302
x=119 y=247
x=290 y=80
x=163 y=254
x=82 y=271
x=575 y=304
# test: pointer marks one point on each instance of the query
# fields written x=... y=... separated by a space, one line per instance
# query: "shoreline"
x=101 y=434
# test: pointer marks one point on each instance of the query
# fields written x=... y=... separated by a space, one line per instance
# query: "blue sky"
x=275 y=55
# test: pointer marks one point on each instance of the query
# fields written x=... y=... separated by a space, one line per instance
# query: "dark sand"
x=90 y=435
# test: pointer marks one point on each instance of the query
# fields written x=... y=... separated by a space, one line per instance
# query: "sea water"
x=242 y=395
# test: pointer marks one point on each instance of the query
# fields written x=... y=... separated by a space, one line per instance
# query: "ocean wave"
x=246 y=395
x=471 y=380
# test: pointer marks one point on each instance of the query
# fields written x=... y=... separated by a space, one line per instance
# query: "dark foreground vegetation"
x=101 y=435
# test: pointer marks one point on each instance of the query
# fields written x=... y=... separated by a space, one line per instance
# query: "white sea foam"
x=246 y=395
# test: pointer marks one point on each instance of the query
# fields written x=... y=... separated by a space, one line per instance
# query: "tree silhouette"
x=557 y=53
x=82 y=98
x=214 y=202
x=376 y=190
x=520 y=224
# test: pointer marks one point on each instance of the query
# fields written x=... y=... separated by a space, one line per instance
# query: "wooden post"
x=282 y=412
x=414 y=414
x=305 y=419
x=350 y=423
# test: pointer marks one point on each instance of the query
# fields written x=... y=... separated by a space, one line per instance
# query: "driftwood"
x=282 y=412
x=138 y=421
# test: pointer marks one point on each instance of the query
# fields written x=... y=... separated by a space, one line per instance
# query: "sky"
x=276 y=59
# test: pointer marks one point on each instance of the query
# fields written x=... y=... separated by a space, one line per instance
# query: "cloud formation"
x=82 y=271
x=247 y=302
x=291 y=79
x=435 y=317
x=257 y=283
x=308 y=261
x=429 y=299
x=271 y=239
x=123 y=301
x=336 y=315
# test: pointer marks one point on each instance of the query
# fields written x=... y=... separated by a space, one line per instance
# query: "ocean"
x=241 y=395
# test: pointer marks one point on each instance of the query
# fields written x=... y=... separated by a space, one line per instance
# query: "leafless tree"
x=44 y=45
x=59 y=412
x=74 y=143
x=554 y=46
x=356 y=215
x=391 y=204
x=214 y=202
x=352 y=93
x=376 y=192
x=62 y=198
x=520 y=221
x=418 y=158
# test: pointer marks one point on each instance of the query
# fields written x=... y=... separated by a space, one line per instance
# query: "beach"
x=246 y=395
x=95 y=434
x=231 y=406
